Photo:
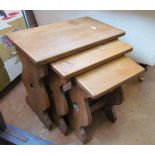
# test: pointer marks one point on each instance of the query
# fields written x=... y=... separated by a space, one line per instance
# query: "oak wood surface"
x=33 y=78
x=75 y=64
x=53 y=41
x=83 y=106
x=56 y=86
x=100 y=80
x=80 y=115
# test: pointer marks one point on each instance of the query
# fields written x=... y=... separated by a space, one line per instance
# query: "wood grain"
x=51 y=42
x=100 y=80
x=33 y=77
x=86 y=60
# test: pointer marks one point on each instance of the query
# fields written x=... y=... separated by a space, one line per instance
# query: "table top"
x=51 y=42
x=106 y=77
x=83 y=61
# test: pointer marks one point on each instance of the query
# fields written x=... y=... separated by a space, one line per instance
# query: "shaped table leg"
x=33 y=78
x=81 y=115
x=111 y=99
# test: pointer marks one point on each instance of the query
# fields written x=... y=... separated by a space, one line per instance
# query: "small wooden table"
x=41 y=45
x=97 y=88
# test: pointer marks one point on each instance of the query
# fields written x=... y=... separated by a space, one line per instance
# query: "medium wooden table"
x=41 y=45
x=95 y=88
x=66 y=70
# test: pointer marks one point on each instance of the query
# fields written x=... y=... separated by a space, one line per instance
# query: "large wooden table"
x=37 y=47
x=54 y=41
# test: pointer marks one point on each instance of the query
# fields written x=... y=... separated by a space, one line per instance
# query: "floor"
x=135 y=124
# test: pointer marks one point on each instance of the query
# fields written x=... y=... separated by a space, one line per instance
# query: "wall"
x=139 y=26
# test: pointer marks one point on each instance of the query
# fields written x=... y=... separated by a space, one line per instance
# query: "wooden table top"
x=83 y=61
x=54 y=41
x=102 y=79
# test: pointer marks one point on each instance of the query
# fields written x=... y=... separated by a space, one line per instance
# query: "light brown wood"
x=57 y=118
x=37 y=97
x=80 y=116
x=56 y=86
x=100 y=80
x=86 y=60
x=51 y=42
x=83 y=106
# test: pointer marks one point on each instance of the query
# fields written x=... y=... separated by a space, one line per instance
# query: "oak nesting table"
x=66 y=53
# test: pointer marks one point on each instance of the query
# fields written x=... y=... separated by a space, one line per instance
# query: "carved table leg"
x=112 y=98
x=60 y=104
x=37 y=97
x=81 y=115
x=118 y=96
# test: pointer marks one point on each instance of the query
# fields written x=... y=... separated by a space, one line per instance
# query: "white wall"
x=139 y=27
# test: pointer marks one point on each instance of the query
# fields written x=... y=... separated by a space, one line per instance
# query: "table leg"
x=80 y=116
x=60 y=105
x=111 y=99
x=33 y=78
